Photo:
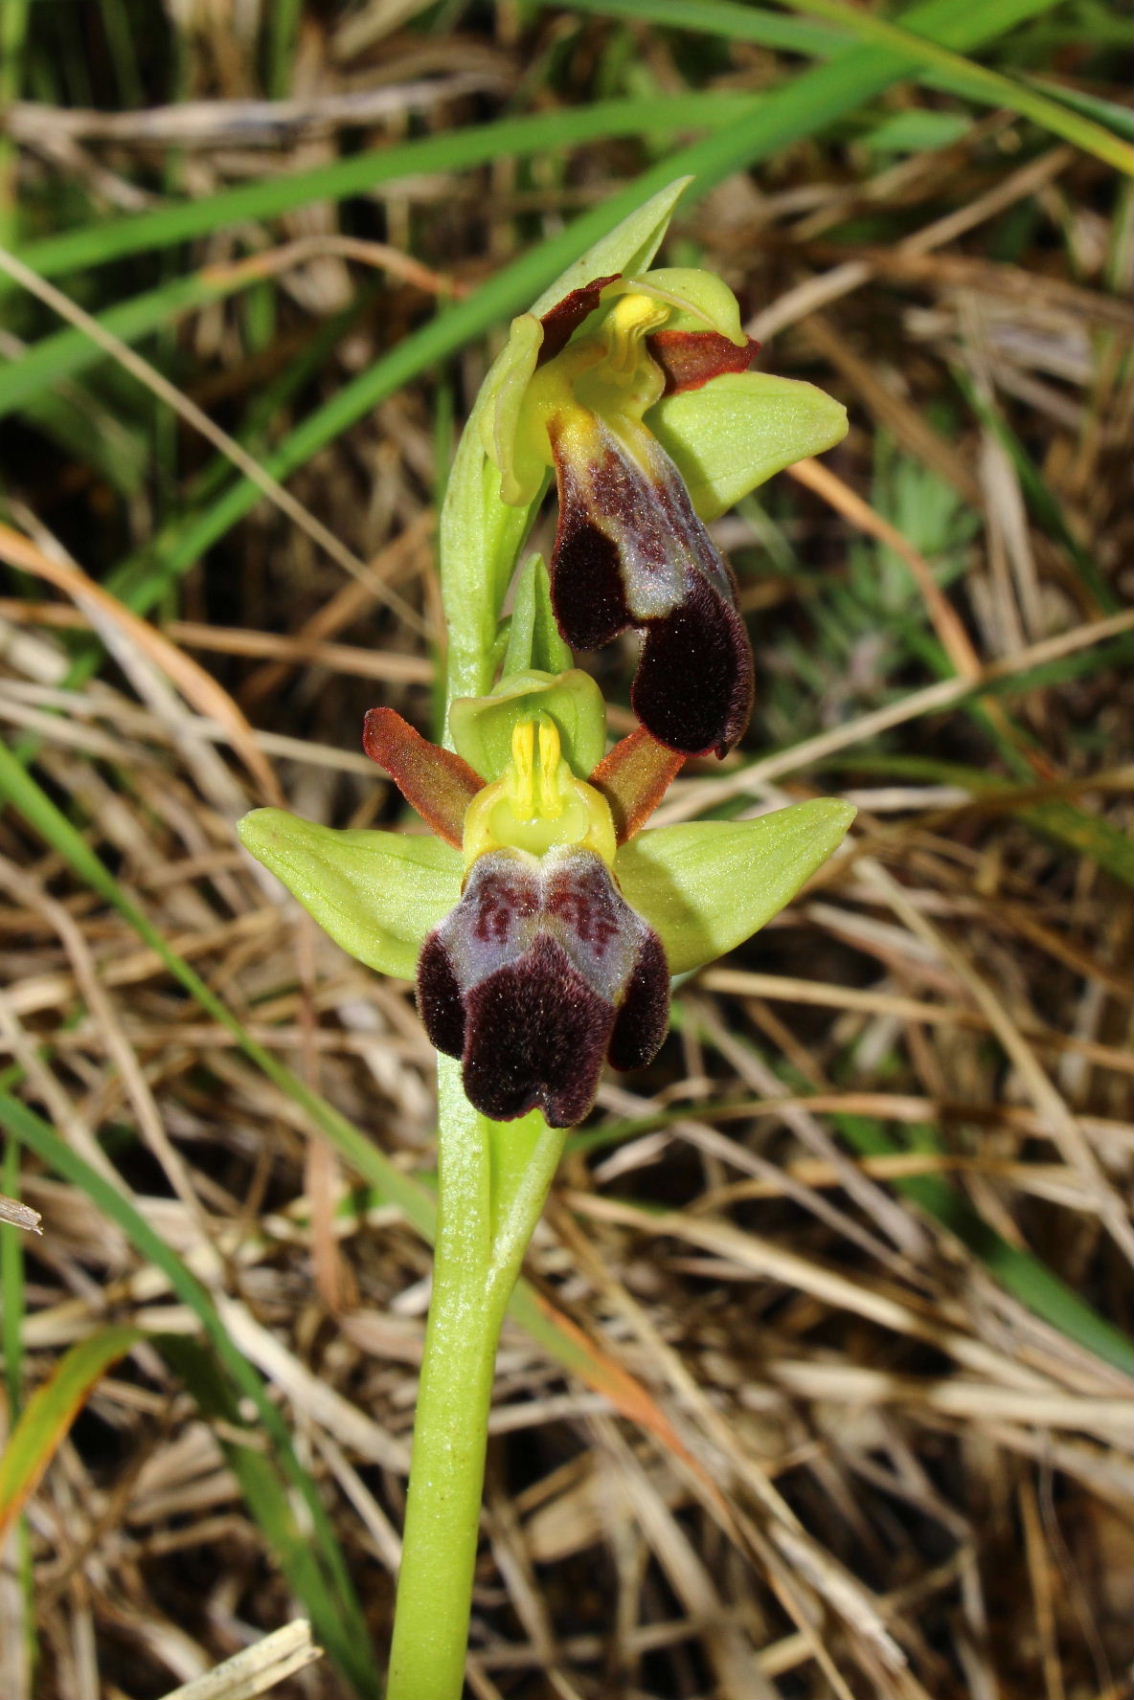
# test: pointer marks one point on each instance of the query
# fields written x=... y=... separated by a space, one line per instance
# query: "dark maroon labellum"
x=541 y=973
x=631 y=550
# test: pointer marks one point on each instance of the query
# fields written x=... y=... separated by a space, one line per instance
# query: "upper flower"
x=572 y=392
x=542 y=931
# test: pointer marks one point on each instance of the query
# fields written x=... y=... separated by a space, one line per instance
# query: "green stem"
x=427 y=1658
x=492 y=1183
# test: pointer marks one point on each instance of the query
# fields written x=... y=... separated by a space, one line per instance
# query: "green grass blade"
x=1108 y=113
x=1088 y=835
x=266 y=1496
x=12 y=1289
x=65 y=353
x=978 y=82
x=268 y=197
x=727 y=18
x=1097 y=127
x=13 y=36
x=92 y=435
x=862 y=75
x=50 y=1413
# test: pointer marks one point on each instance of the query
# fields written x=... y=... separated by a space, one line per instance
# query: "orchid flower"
x=540 y=929
x=571 y=392
x=633 y=386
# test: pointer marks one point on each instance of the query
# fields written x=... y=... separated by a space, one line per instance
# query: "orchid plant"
x=542 y=924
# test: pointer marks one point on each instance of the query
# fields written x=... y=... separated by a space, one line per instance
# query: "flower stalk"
x=493 y=1179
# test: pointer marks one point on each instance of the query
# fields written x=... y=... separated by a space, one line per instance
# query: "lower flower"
x=524 y=920
x=541 y=974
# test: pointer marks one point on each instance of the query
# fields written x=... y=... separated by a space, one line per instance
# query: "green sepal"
x=533 y=635
x=521 y=463
x=700 y=301
x=706 y=886
x=481 y=727
x=376 y=893
x=736 y=431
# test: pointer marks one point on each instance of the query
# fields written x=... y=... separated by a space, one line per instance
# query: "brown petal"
x=690 y=359
x=439 y=998
x=643 y=1021
x=695 y=682
x=537 y=1039
x=634 y=777
x=631 y=550
x=562 y=321
x=436 y=782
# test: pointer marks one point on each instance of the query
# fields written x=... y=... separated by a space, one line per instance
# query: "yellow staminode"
x=538 y=802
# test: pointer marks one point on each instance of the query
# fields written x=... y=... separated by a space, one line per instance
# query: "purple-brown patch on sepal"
x=690 y=359
x=437 y=783
x=562 y=321
x=541 y=966
x=634 y=777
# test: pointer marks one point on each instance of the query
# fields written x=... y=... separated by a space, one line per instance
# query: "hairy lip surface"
x=541 y=974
